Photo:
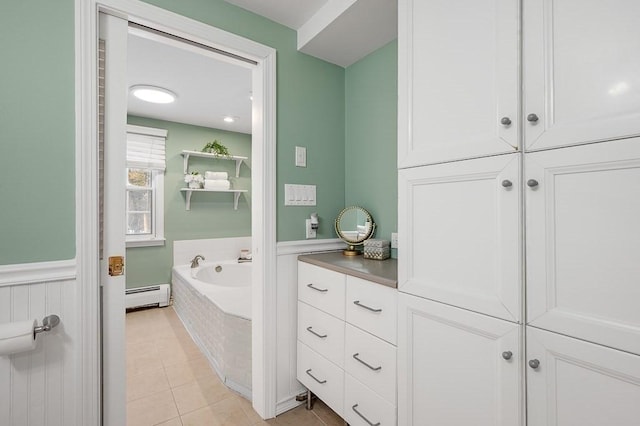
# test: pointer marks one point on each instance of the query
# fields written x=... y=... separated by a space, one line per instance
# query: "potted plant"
x=217 y=148
x=194 y=179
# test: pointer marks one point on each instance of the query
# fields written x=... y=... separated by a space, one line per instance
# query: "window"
x=145 y=186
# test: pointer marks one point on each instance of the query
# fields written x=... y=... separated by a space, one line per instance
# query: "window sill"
x=145 y=243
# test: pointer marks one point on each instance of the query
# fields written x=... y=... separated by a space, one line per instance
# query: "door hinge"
x=116 y=266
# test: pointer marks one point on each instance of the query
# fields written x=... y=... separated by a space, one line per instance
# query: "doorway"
x=212 y=102
x=263 y=191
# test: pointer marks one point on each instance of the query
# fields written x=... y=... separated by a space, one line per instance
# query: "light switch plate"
x=299 y=195
x=301 y=156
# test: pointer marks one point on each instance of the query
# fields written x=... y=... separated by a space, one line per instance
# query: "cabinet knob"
x=507 y=355
x=532 y=118
x=505 y=121
x=532 y=183
x=534 y=363
x=507 y=183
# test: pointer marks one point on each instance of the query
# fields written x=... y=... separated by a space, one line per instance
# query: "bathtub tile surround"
x=184 y=390
x=210 y=248
x=219 y=320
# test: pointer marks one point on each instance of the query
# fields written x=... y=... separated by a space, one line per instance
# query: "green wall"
x=37 y=134
x=314 y=100
x=310 y=113
x=211 y=215
x=371 y=134
x=37 y=156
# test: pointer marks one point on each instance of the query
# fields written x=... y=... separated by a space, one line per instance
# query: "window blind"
x=146 y=151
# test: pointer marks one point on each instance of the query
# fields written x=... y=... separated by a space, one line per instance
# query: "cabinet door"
x=459 y=226
x=581 y=71
x=583 y=242
x=456 y=367
x=578 y=383
x=457 y=79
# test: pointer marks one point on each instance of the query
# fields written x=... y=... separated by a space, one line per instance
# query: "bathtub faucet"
x=194 y=262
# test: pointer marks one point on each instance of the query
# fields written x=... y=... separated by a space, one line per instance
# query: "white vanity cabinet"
x=346 y=341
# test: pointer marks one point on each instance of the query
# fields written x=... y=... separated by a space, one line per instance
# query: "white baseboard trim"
x=38 y=272
x=309 y=246
x=287 y=404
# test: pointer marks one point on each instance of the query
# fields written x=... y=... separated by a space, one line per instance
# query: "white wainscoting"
x=40 y=387
x=287 y=295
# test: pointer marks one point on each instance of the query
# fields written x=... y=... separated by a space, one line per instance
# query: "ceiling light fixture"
x=153 y=94
x=229 y=119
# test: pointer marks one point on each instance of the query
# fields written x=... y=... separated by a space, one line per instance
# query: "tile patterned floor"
x=170 y=382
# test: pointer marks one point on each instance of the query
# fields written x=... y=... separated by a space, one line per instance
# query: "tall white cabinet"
x=519 y=201
x=449 y=108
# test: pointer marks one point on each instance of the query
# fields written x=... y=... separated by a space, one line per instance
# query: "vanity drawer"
x=321 y=377
x=372 y=307
x=321 y=332
x=321 y=288
x=363 y=407
x=372 y=361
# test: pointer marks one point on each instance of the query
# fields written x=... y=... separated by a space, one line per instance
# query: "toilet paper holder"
x=48 y=323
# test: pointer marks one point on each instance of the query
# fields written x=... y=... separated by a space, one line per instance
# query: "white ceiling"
x=338 y=31
x=209 y=86
x=290 y=13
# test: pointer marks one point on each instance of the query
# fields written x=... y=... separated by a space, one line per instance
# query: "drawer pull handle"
x=321 y=290
x=322 y=382
x=357 y=302
x=363 y=417
x=355 y=356
x=310 y=330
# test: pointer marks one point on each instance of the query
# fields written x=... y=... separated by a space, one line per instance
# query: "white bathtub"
x=214 y=303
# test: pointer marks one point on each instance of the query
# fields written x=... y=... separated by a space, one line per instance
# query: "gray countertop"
x=383 y=272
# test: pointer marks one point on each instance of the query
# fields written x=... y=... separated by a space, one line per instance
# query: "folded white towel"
x=216 y=175
x=217 y=184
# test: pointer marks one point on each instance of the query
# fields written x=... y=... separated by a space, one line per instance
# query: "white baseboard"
x=38 y=272
x=309 y=246
x=287 y=404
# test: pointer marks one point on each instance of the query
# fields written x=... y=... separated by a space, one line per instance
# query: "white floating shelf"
x=236 y=195
x=186 y=154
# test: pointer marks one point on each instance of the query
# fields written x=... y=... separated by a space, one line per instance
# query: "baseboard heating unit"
x=147 y=296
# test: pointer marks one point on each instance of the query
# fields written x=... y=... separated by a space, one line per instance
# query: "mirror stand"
x=354 y=225
x=351 y=251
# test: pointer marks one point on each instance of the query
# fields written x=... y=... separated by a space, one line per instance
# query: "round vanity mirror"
x=354 y=225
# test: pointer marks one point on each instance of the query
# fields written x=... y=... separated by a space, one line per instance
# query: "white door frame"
x=263 y=192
